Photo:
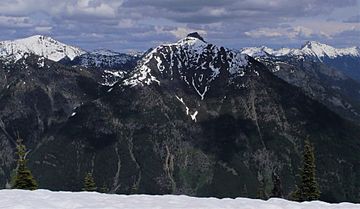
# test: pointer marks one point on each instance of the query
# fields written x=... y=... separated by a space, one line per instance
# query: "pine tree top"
x=89 y=183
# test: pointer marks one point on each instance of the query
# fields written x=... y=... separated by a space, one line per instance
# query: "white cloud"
x=300 y=31
x=263 y=32
x=217 y=11
x=287 y=32
x=43 y=29
x=84 y=7
x=15 y=22
x=330 y=28
x=181 y=32
x=145 y=22
x=126 y=23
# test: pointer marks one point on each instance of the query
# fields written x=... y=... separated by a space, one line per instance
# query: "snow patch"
x=193 y=116
x=41 y=62
x=277 y=68
x=44 y=199
x=142 y=74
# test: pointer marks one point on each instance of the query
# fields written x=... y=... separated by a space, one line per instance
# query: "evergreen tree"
x=277 y=189
x=261 y=193
x=104 y=189
x=23 y=178
x=308 y=189
x=244 y=192
x=134 y=189
x=89 y=183
x=295 y=194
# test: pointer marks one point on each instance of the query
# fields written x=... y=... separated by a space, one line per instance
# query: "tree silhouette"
x=308 y=189
x=89 y=183
x=23 y=178
x=277 y=189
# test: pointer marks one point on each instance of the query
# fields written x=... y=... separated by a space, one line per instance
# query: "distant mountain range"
x=188 y=117
x=56 y=51
x=325 y=73
x=347 y=60
x=316 y=50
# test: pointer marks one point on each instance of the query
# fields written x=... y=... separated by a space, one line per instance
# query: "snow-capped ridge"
x=39 y=45
x=313 y=49
x=104 y=52
x=321 y=50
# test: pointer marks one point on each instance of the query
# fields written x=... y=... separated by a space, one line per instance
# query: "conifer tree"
x=277 y=189
x=104 y=189
x=244 y=192
x=89 y=183
x=261 y=193
x=23 y=178
x=308 y=189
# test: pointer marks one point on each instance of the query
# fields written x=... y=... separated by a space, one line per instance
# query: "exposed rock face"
x=36 y=96
x=318 y=80
x=192 y=118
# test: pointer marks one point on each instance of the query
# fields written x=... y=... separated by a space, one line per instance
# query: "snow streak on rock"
x=193 y=116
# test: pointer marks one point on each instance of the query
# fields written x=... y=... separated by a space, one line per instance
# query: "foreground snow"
x=44 y=199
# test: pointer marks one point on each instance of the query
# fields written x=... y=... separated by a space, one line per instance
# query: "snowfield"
x=44 y=199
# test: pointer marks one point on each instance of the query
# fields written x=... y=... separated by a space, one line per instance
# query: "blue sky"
x=124 y=25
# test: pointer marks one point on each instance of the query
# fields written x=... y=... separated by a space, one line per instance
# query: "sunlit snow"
x=44 y=199
x=311 y=48
x=38 y=45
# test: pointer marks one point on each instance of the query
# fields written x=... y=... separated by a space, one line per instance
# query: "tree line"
x=307 y=190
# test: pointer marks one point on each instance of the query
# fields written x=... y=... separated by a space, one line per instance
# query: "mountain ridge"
x=310 y=48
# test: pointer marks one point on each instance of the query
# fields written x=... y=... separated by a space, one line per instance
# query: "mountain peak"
x=321 y=50
x=39 y=45
x=194 y=62
x=38 y=37
x=316 y=45
x=196 y=35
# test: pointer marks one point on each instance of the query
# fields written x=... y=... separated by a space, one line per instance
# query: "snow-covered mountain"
x=111 y=65
x=39 y=45
x=311 y=49
x=192 y=60
x=106 y=59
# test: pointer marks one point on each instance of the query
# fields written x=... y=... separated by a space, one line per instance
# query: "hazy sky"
x=140 y=24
